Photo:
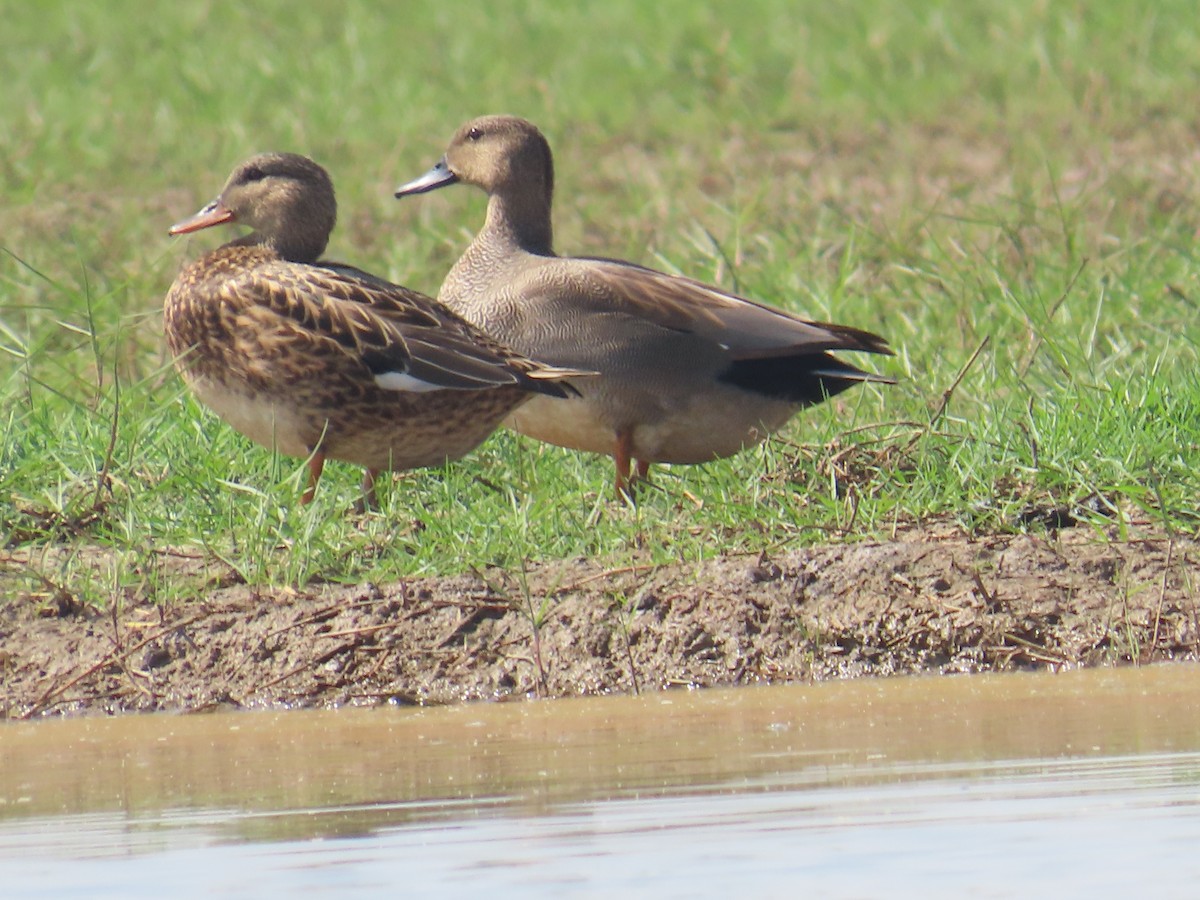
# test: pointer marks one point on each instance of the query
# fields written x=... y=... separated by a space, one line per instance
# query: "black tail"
x=806 y=379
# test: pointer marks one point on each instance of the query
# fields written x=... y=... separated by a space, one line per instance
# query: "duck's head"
x=499 y=154
x=286 y=199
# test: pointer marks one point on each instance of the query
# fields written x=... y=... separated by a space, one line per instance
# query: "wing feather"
x=748 y=330
x=386 y=327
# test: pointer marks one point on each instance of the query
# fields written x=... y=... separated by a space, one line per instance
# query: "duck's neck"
x=300 y=245
x=519 y=220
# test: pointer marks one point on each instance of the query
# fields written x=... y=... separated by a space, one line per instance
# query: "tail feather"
x=806 y=379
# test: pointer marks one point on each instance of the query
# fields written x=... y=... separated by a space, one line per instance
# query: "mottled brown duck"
x=688 y=372
x=323 y=361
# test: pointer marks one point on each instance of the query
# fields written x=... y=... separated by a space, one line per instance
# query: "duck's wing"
x=406 y=340
x=746 y=329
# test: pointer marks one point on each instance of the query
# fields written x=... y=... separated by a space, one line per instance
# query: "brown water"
x=1084 y=782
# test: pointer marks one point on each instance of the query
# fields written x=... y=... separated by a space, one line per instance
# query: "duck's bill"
x=213 y=214
x=439 y=176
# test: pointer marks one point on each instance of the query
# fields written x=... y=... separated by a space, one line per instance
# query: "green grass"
x=1017 y=176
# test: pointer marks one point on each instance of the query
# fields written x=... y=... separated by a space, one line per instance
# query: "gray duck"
x=688 y=372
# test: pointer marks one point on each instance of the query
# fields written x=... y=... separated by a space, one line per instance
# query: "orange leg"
x=369 y=499
x=622 y=455
x=316 y=465
x=643 y=471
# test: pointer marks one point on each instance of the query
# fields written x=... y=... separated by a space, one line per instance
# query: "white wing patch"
x=402 y=381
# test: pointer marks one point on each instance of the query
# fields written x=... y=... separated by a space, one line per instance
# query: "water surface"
x=990 y=786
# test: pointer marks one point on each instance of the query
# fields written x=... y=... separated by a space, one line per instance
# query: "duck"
x=688 y=372
x=320 y=360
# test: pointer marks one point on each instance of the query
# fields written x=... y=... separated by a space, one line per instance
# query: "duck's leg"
x=643 y=471
x=369 y=499
x=316 y=465
x=623 y=456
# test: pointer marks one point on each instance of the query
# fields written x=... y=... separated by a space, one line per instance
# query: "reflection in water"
x=539 y=794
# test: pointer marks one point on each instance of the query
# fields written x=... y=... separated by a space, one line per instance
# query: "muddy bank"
x=923 y=603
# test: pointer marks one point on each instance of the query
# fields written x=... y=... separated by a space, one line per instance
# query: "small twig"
x=607 y=573
x=352 y=632
x=384 y=655
x=988 y=597
x=949 y=392
x=633 y=677
x=535 y=625
x=133 y=676
x=1033 y=650
x=543 y=688
x=115 y=656
x=116 y=624
x=1162 y=596
x=852 y=496
x=307 y=664
x=464 y=622
x=322 y=615
x=490 y=485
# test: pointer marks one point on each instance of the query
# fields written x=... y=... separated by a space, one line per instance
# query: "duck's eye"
x=474 y=134
x=254 y=173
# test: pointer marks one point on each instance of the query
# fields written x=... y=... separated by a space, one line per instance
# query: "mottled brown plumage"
x=688 y=372
x=321 y=360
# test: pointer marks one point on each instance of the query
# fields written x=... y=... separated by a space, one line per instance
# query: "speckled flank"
x=296 y=354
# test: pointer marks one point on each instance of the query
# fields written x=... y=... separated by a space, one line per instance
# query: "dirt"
x=923 y=603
